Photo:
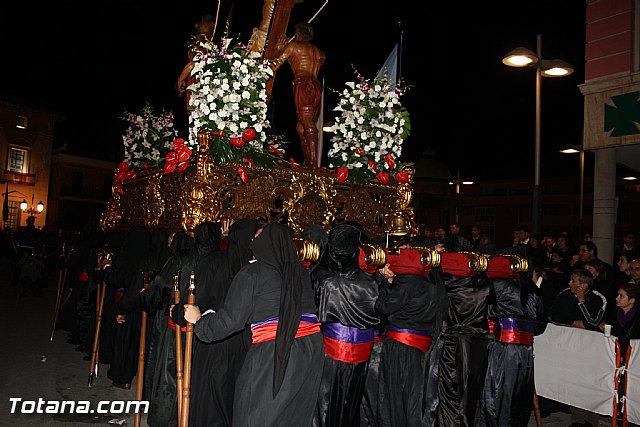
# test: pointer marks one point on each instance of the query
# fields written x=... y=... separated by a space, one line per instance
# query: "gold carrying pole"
x=188 y=348
x=100 y=294
x=62 y=281
x=176 y=301
x=146 y=276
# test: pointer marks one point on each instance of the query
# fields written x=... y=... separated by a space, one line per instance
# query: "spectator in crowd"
x=486 y=245
x=628 y=246
x=455 y=242
x=537 y=252
x=440 y=234
x=474 y=238
x=624 y=319
x=578 y=305
x=588 y=251
x=520 y=236
x=624 y=271
x=634 y=271
x=602 y=283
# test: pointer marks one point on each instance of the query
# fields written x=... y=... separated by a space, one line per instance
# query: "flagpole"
x=399 y=59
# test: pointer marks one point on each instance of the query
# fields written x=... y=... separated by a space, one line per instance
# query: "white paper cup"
x=607 y=330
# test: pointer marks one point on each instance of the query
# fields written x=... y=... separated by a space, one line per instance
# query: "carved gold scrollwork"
x=154 y=205
x=429 y=257
x=204 y=201
x=478 y=262
x=310 y=201
x=307 y=250
x=112 y=215
x=374 y=254
x=518 y=264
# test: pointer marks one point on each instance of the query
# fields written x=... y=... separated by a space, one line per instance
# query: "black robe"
x=347 y=297
x=458 y=359
x=409 y=303
x=268 y=393
x=163 y=409
x=216 y=365
x=126 y=274
x=509 y=383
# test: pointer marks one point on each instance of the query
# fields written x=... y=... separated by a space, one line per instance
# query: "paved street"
x=33 y=367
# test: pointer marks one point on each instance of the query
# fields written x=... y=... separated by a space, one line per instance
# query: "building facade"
x=79 y=190
x=26 y=140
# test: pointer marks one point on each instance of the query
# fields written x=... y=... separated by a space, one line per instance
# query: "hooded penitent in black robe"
x=75 y=313
x=163 y=402
x=281 y=373
x=125 y=276
x=410 y=306
x=157 y=299
x=458 y=359
x=216 y=366
x=346 y=310
x=517 y=314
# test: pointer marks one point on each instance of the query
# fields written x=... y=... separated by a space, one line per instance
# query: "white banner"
x=633 y=383
x=577 y=367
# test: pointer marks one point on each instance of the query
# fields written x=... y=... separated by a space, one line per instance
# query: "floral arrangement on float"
x=229 y=99
x=369 y=131
x=148 y=138
x=151 y=141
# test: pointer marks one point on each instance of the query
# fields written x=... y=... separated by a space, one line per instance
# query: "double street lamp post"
x=522 y=57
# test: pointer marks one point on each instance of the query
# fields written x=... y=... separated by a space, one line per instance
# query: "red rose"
x=383 y=177
x=275 y=150
x=243 y=174
x=145 y=166
x=130 y=174
x=123 y=167
x=237 y=142
x=248 y=160
x=179 y=142
x=171 y=157
x=402 y=177
x=373 y=166
x=182 y=166
x=169 y=167
x=184 y=153
x=343 y=174
x=249 y=134
x=389 y=159
x=220 y=134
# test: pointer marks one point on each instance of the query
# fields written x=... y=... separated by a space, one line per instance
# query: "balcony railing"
x=17 y=178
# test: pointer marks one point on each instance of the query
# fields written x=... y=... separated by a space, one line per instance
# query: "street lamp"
x=457 y=182
x=522 y=57
x=573 y=149
x=31 y=210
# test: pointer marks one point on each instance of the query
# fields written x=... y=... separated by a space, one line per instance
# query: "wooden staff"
x=146 y=276
x=536 y=409
x=100 y=294
x=62 y=280
x=176 y=301
x=188 y=346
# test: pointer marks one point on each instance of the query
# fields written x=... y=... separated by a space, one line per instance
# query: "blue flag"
x=390 y=67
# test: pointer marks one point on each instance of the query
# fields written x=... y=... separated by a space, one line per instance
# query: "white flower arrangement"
x=148 y=138
x=369 y=131
x=229 y=98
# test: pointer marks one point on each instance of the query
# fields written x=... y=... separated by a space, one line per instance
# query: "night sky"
x=91 y=60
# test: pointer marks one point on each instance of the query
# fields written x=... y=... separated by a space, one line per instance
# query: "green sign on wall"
x=623 y=117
